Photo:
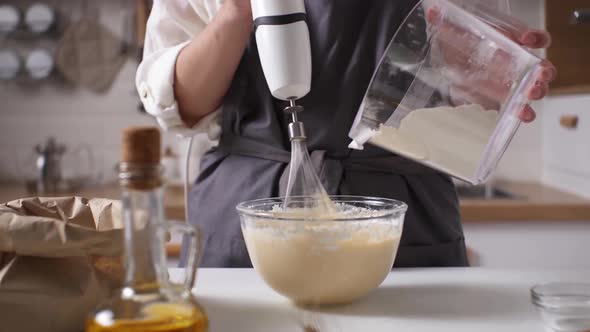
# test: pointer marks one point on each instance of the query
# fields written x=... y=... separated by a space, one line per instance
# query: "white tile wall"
x=31 y=113
x=73 y=117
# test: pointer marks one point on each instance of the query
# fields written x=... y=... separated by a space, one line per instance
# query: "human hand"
x=536 y=39
x=489 y=82
x=241 y=7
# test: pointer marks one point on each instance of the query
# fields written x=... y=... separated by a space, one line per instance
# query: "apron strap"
x=245 y=146
x=330 y=170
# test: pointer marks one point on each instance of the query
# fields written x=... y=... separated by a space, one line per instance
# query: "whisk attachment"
x=303 y=179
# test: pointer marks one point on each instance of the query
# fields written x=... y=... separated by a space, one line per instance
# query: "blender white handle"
x=283 y=41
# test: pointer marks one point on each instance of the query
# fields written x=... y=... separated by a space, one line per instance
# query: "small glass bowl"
x=564 y=307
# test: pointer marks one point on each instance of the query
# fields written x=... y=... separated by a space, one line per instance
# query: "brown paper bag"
x=59 y=258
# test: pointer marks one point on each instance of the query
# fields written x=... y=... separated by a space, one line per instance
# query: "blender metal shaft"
x=296 y=127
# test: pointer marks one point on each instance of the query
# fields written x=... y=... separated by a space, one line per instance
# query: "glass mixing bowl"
x=563 y=306
x=316 y=259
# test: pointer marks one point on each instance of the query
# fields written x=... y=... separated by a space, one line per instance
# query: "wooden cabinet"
x=570 y=50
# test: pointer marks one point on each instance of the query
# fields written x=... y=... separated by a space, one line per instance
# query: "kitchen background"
x=32 y=110
x=552 y=153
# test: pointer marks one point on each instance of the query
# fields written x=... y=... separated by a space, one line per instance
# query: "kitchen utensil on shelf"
x=39 y=64
x=61 y=170
x=564 y=307
x=89 y=54
x=10 y=18
x=40 y=17
x=148 y=302
x=129 y=47
x=323 y=259
x=448 y=91
x=10 y=64
x=142 y=12
x=49 y=165
x=580 y=16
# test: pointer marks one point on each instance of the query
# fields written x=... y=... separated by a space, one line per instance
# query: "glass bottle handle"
x=193 y=235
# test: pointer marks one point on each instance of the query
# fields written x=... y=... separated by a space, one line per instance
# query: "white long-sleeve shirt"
x=171 y=26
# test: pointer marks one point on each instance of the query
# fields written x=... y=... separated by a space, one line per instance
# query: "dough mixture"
x=322 y=262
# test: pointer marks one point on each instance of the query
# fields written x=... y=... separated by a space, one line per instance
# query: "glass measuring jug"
x=448 y=91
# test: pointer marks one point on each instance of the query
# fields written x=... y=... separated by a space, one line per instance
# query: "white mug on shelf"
x=39 y=63
x=10 y=18
x=10 y=64
x=39 y=17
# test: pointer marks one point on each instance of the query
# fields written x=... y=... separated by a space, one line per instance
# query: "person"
x=201 y=73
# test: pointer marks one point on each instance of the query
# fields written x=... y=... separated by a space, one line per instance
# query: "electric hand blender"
x=284 y=48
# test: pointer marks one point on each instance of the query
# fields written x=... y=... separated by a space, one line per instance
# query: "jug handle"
x=194 y=236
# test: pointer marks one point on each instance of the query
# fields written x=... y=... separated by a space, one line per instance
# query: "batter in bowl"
x=322 y=262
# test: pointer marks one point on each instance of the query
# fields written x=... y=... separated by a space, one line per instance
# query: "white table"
x=464 y=299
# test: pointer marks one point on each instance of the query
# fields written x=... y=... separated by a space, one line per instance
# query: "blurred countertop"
x=535 y=202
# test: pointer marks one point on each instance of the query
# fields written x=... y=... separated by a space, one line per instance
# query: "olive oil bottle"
x=148 y=302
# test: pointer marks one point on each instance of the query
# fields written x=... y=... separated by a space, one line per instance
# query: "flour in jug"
x=451 y=139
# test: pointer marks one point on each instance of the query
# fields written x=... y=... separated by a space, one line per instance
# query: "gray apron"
x=348 y=38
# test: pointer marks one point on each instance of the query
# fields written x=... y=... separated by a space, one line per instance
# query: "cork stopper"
x=140 y=167
x=141 y=145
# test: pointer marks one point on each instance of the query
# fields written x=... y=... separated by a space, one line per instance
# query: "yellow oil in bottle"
x=149 y=302
x=164 y=317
